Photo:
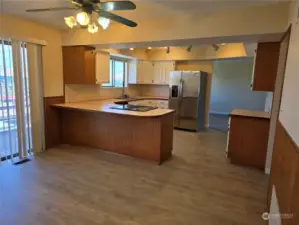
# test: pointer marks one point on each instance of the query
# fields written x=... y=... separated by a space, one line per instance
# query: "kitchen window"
x=118 y=74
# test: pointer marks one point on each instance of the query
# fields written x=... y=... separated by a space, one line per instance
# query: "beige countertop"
x=250 y=113
x=136 y=98
x=104 y=106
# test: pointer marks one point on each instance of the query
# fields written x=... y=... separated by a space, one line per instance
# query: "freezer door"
x=189 y=100
x=175 y=94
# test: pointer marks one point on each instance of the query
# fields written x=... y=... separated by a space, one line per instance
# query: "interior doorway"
x=230 y=89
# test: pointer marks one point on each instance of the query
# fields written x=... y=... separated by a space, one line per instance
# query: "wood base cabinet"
x=149 y=138
x=248 y=140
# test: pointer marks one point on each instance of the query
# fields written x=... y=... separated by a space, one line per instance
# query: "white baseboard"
x=219 y=113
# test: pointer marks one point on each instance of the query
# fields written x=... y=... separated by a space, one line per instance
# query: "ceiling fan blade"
x=77 y=3
x=123 y=5
x=51 y=9
x=117 y=18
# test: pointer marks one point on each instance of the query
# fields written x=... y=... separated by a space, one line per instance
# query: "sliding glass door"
x=15 y=112
x=8 y=122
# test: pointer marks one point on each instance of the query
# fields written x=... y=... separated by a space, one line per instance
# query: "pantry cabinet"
x=149 y=72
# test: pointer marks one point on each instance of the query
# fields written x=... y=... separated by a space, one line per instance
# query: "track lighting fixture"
x=215 y=47
x=167 y=50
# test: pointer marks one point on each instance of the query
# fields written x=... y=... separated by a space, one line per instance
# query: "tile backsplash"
x=81 y=92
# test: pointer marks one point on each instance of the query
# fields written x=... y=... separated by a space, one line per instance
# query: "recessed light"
x=131 y=49
x=223 y=44
x=149 y=48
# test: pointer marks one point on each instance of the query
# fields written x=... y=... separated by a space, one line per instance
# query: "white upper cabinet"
x=162 y=72
x=132 y=71
x=148 y=72
x=102 y=67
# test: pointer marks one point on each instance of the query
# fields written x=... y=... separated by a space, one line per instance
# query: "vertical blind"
x=21 y=106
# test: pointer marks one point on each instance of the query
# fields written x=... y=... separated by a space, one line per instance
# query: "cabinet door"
x=265 y=66
x=157 y=74
x=148 y=72
x=90 y=67
x=140 y=71
x=132 y=72
x=73 y=64
x=102 y=67
x=169 y=66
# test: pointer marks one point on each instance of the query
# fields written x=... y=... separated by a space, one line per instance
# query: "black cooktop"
x=137 y=108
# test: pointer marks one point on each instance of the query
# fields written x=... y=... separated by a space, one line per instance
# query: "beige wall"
x=289 y=106
x=205 y=52
x=199 y=53
x=289 y=109
x=206 y=66
x=231 y=86
x=154 y=90
x=289 y=112
x=52 y=54
x=80 y=92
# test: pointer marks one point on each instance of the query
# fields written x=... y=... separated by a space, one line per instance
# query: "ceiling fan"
x=87 y=7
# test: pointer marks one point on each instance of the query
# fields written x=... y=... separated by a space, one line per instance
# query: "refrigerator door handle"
x=181 y=89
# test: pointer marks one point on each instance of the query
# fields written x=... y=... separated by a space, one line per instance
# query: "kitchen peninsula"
x=145 y=135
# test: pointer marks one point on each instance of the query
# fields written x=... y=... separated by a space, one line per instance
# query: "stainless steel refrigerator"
x=187 y=97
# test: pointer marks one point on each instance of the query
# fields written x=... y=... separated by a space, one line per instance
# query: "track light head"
x=167 y=50
x=189 y=48
x=215 y=47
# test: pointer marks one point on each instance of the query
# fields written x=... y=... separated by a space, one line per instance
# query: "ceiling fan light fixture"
x=104 y=22
x=70 y=21
x=92 y=28
x=83 y=18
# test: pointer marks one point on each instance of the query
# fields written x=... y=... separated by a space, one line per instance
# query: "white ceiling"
x=146 y=9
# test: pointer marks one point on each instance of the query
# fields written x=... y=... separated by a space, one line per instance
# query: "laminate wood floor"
x=74 y=185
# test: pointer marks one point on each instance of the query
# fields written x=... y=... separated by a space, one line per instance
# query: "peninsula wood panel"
x=147 y=138
x=248 y=139
x=285 y=175
x=265 y=67
x=53 y=123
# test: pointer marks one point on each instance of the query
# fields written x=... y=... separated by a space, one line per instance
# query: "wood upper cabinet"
x=102 y=67
x=265 y=66
x=79 y=65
